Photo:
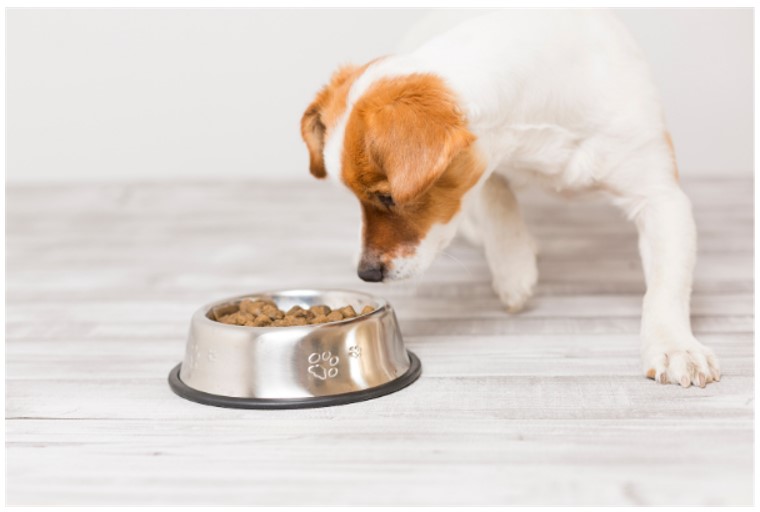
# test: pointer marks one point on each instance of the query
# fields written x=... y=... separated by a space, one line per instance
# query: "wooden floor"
x=547 y=407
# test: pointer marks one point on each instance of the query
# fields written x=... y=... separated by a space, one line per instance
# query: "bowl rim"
x=201 y=315
x=400 y=382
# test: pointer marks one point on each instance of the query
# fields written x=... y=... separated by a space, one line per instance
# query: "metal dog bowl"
x=293 y=367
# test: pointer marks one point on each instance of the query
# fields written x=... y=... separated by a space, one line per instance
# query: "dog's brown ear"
x=323 y=113
x=414 y=130
x=313 y=133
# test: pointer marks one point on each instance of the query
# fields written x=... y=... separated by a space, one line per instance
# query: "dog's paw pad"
x=685 y=364
x=515 y=280
x=514 y=295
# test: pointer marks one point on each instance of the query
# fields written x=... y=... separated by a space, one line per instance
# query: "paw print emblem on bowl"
x=324 y=365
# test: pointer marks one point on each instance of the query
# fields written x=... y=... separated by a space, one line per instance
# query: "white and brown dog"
x=430 y=140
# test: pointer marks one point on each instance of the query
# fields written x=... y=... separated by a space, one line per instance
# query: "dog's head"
x=403 y=148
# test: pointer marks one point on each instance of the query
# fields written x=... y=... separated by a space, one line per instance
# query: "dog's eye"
x=386 y=200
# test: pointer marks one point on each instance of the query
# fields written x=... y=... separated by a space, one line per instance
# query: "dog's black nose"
x=371 y=272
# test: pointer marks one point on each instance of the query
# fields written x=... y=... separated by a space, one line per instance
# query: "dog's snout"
x=372 y=272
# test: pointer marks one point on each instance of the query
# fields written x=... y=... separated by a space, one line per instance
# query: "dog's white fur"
x=564 y=99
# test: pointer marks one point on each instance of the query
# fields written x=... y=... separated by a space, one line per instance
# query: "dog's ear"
x=413 y=131
x=322 y=112
x=313 y=133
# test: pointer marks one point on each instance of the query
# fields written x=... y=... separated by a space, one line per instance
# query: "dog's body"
x=433 y=140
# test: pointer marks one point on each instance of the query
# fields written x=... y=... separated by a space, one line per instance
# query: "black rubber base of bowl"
x=185 y=391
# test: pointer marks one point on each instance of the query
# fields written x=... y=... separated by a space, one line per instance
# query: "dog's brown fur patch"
x=406 y=138
x=323 y=113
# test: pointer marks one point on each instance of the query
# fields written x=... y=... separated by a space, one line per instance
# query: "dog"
x=432 y=141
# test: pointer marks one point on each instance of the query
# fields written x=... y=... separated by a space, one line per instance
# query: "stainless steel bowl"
x=291 y=367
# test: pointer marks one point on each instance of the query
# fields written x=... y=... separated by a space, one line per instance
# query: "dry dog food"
x=265 y=313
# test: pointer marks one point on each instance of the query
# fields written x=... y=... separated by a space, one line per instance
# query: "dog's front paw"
x=687 y=362
x=514 y=284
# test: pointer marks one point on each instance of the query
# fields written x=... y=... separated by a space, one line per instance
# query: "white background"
x=117 y=95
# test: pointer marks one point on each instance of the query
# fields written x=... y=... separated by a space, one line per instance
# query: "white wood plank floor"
x=547 y=407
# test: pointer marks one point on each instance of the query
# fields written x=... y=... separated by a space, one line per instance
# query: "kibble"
x=322 y=319
x=321 y=310
x=347 y=312
x=297 y=312
x=335 y=316
x=262 y=321
x=272 y=311
x=265 y=313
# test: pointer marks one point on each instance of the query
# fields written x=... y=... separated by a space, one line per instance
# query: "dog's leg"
x=509 y=247
x=668 y=246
